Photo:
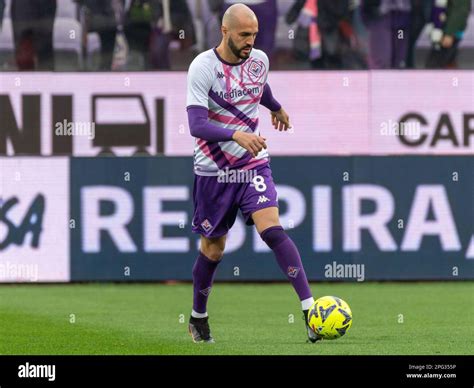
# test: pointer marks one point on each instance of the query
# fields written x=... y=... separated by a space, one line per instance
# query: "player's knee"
x=213 y=250
x=274 y=235
x=213 y=253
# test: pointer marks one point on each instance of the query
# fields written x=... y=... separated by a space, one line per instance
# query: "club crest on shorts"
x=206 y=291
x=293 y=272
x=206 y=225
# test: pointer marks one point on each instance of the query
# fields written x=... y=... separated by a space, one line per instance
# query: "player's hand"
x=280 y=120
x=251 y=142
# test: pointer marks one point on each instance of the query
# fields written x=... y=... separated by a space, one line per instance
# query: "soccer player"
x=225 y=87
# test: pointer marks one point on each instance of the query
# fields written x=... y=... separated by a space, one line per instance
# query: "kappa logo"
x=206 y=225
x=220 y=75
x=262 y=199
x=293 y=272
x=206 y=291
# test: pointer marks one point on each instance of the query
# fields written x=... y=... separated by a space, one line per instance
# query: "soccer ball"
x=330 y=317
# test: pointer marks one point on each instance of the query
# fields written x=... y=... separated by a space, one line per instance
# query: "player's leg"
x=215 y=212
x=286 y=253
x=259 y=205
x=204 y=270
x=212 y=250
x=288 y=257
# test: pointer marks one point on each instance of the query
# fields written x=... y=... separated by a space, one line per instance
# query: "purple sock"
x=203 y=275
x=288 y=259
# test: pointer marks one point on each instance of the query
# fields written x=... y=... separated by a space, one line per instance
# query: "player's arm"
x=268 y=101
x=280 y=119
x=202 y=128
x=197 y=102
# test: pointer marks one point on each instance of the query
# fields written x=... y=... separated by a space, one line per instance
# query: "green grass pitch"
x=249 y=319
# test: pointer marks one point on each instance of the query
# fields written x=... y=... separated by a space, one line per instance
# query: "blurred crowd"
x=167 y=34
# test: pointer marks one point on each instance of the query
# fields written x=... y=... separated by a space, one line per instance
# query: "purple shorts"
x=217 y=199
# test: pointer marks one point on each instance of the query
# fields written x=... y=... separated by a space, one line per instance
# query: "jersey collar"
x=225 y=62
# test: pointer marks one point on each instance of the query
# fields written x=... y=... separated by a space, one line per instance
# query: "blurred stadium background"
x=375 y=182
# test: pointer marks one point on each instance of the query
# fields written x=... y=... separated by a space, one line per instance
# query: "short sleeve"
x=199 y=82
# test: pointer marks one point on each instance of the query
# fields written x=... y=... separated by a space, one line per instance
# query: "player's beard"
x=236 y=51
